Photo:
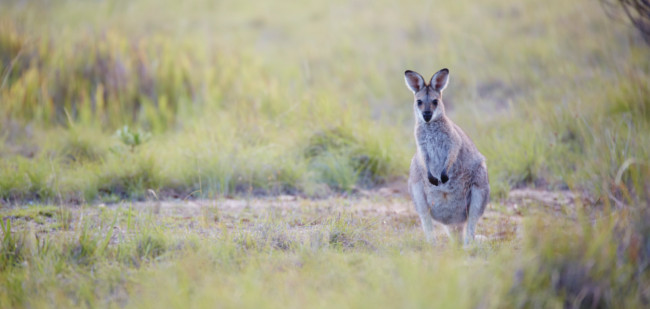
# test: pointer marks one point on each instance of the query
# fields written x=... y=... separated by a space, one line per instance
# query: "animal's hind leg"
x=422 y=207
x=478 y=200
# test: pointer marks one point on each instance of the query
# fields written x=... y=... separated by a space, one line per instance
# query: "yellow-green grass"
x=307 y=98
x=237 y=96
x=323 y=254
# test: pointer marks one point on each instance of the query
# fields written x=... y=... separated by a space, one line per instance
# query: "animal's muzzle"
x=427 y=116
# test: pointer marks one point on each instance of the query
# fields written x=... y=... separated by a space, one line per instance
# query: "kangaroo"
x=448 y=179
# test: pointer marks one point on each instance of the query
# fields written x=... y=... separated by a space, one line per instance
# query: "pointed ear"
x=440 y=80
x=414 y=81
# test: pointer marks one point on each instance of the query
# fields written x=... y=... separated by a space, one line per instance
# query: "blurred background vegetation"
x=103 y=100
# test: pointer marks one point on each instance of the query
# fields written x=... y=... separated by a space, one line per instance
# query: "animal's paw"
x=444 y=177
x=433 y=180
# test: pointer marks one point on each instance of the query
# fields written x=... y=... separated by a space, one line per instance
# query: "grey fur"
x=448 y=179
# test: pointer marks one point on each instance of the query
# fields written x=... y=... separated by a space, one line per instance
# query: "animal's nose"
x=427 y=115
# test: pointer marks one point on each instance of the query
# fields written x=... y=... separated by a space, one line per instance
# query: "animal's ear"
x=440 y=80
x=414 y=81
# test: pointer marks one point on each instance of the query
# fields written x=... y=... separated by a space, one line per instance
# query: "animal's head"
x=427 y=97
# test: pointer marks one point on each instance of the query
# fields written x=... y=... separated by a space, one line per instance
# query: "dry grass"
x=291 y=252
x=306 y=99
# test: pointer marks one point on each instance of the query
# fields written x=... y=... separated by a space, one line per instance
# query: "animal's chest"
x=435 y=148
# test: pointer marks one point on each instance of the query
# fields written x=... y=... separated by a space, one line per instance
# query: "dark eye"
x=435 y=102
x=419 y=102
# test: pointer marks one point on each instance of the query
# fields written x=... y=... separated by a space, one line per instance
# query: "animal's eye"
x=435 y=102
x=419 y=102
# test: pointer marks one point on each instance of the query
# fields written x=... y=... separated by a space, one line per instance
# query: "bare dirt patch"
x=388 y=205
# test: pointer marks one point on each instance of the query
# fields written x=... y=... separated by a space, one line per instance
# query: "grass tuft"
x=13 y=248
x=150 y=245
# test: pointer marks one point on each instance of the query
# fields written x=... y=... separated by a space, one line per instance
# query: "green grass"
x=106 y=102
x=236 y=99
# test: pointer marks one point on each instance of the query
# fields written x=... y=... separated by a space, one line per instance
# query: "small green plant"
x=131 y=138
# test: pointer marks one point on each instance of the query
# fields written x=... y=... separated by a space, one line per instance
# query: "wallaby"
x=448 y=180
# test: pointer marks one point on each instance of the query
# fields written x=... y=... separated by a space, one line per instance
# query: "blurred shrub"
x=637 y=11
x=344 y=161
x=115 y=81
x=22 y=179
x=82 y=146
x=128 y=176
x=632 y=97
x=601 y=263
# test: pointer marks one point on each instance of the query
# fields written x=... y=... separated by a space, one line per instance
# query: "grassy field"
x=132 y=104
x=335 y=252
